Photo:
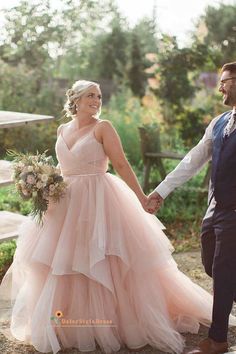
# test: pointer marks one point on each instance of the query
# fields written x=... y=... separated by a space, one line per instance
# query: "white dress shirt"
x=191 y=163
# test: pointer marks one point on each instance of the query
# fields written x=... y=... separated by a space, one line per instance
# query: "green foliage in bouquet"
x=38 y=180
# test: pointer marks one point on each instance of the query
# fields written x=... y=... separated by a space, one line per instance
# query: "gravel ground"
x=190 y=264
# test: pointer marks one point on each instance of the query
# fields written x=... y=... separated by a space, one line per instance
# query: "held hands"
x=152 y=203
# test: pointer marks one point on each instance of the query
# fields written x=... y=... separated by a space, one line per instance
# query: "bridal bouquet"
x=37 y=179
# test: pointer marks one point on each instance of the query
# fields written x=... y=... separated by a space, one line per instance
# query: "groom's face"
x=228 y=88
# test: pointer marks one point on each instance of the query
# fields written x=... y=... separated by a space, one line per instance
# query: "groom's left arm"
x=193 y=162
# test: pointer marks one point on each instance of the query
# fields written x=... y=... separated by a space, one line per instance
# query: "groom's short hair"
x=229 y=67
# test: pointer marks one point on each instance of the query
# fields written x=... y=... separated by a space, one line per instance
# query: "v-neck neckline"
x=79 y=139
x=75 y=143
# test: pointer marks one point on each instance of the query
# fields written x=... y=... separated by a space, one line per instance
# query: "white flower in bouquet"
x=39 y=185
x=44 y=178
x=21 y=175
x=47 y=169
x=30 y=179
x=20 y=165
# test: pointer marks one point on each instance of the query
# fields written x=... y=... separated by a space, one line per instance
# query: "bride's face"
x=91 y=101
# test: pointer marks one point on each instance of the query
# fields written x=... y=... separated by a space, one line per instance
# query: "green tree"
x=84 y=22
x=28 y=35
x=143 y=40
x=136 y=73
x=220 y=32
x=171 y=72
x=110 y=55
x=147 y=32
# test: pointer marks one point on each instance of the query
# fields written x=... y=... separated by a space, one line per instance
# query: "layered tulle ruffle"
x=99 y=256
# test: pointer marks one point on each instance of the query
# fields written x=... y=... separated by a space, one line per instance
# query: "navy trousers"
x=218 y=238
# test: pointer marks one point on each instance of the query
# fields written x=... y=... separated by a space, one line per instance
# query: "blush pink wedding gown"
x=98 y=257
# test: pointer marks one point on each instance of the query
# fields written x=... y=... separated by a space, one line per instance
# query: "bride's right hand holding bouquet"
x=37 y=179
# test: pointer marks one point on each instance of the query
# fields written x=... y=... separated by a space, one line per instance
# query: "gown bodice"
x=85 y=157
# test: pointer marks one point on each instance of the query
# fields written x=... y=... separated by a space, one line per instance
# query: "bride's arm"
x=107 y=135
x=58 y=133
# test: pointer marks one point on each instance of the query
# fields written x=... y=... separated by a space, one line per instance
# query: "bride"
x=99 y=272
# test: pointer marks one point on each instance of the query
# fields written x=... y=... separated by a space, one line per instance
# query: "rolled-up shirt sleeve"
x=190 y=165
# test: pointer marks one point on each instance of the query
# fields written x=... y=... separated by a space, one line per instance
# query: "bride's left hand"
x=144 y=201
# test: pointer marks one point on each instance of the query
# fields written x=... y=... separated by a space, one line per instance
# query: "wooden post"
x=146 y=173
x=152 y=154
x=150 y=142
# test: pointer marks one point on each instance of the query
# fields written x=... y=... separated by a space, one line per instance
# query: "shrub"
x=127 y=113
x=9 y=200
x=7 y=250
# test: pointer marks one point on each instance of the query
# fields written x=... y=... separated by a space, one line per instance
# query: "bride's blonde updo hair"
x=77 y=90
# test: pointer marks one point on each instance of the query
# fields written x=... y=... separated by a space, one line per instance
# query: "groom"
x=218 y=234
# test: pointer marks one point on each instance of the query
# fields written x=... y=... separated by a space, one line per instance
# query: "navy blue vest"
x=223 y=175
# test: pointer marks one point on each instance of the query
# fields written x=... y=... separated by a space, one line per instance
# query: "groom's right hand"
x=154 y=202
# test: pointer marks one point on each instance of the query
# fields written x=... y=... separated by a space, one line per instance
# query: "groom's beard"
x=230 y=97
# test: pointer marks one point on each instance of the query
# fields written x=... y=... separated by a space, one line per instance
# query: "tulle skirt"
x=99 y=272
